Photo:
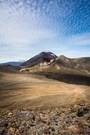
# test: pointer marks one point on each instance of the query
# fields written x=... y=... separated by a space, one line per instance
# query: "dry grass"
x=26 y=90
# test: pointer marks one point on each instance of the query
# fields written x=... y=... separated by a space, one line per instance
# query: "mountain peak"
x=49 y=55
x=63 y=57
x=41 y=57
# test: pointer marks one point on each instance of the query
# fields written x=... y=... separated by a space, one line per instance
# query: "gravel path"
x=65 y=120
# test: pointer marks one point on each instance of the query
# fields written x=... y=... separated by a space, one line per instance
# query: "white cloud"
x=21 y=27
x=23 y=37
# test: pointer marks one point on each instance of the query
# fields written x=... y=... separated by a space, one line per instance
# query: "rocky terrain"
x=65 y=120
x=42 y=96
x=34 y=105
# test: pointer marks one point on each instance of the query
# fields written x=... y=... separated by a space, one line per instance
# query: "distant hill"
x=8 y=69
x=12 y=63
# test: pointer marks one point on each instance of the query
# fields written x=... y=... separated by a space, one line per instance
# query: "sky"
x=28 y=27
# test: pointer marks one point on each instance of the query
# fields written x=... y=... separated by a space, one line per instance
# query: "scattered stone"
x=12 y=130
x=86 y=110
x=46 y=131
x=81 y=128
x=10 y=113
x=69 y=120
x=3 y=132
x=80 y=112
x=73 y=128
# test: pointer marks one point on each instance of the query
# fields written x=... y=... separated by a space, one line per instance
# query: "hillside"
x=47 y=61
x=42 y=57
x=69 y=70
x=80 y=64
x=75 y=70
x=8 y=69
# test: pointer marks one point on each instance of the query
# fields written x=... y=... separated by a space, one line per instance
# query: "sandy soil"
x=26 y=90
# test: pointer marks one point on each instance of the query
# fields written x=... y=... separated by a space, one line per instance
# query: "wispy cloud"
x=30 y=26
x=20 y=23
x=79 y=39
x=24 y=37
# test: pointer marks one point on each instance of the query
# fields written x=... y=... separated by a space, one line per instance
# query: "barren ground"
x=31 y=91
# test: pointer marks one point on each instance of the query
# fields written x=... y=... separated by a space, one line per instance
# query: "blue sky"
x=28 y=27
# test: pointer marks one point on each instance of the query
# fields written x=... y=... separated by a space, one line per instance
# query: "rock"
x=52 y=129
x=80 y=112
x=21 y=129
x=32 y=124
x=25 y=113
x=11 y=129
x=23 y=122
x=73 y=128
x=86 y=110
x=10 y=113
x=44 y=118
x=3 y=123
x=46 y=131
x=53 y=121
x=81 y=128
x=3 y=131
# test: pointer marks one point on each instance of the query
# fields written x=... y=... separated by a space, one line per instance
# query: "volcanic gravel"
x=65 y=120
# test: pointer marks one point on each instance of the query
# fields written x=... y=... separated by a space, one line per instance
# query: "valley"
x=28 y=90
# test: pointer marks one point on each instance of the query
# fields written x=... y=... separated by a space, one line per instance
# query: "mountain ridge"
x=12 y=63
x=69 y=70
x=50 y=60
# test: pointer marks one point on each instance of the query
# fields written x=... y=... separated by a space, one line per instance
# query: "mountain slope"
x=60 y=68
x=42 y=57
x=8 y=69
x=48 y=62
x=80 y=64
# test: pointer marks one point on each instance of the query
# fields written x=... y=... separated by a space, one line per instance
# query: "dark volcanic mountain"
x=42 y=57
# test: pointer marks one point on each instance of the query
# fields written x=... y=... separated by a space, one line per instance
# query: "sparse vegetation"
x=45 y=98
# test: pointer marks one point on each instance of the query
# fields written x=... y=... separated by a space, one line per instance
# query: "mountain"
x=70 y=70
x=80 y=64
x=12 y=63
x=49 y=62
x=41 y=57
